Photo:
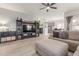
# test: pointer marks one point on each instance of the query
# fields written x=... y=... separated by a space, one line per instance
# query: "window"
x=75 y=23
x=59 y=25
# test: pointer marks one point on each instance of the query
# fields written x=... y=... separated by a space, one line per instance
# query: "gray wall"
x=9 y=17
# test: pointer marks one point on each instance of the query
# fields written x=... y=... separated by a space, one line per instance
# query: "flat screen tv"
x=28 y=28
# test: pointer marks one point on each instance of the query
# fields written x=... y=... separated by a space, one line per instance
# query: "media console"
x=7 y=36
x=26 y=29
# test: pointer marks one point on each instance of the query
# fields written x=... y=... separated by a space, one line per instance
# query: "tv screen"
x=28 y=28
x=24 y=28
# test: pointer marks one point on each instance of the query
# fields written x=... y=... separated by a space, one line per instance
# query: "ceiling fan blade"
x=53 y=7
x=44 y=4
x=47 y=10
x=42 y=8
x=52 y=4
x=47 y=4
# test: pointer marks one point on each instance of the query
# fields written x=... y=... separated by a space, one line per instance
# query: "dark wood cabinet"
x=27 y=28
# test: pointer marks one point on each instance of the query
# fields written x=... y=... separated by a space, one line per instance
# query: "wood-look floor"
x=24 y=47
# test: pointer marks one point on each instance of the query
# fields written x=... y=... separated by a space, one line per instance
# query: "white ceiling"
x=33 y=8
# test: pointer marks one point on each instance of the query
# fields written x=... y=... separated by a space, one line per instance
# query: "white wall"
x=9 y=17
x=72 y=13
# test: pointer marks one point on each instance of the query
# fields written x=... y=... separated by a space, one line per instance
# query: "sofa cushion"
x=52 y=48
x=74 y=35
x=72 y=43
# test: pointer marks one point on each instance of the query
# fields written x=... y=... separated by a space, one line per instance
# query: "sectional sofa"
x=58 y=46
x=72 y=40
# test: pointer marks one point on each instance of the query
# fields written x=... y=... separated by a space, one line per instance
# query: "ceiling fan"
x=48 y=6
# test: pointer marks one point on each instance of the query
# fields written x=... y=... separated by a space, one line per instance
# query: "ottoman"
x=51 y=48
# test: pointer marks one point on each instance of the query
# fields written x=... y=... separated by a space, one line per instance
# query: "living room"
x=31 y=29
